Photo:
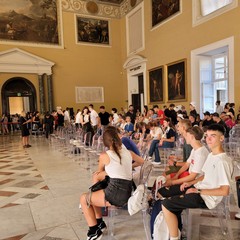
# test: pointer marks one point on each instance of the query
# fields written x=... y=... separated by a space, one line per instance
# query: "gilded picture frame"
x=156 y=85
x=92 y=31
x=31 y=23
x=177 y=81
x=163 y=11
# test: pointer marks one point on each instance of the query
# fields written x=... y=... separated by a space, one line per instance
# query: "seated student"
x=193 y=166
x=129 y=127
x=206 y=191
x=182 y=127
x=155 y=134
x=117 y=164
x=169 y=134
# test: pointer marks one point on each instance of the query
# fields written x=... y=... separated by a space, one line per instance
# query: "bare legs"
x=25 y=140
x=93 y=212
x=171 y=221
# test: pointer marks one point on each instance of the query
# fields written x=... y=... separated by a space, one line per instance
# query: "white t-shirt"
x=78 y=117
x=116 y=170
x=66 y=116
x=197 y=159
x=94 y=116
x=217 y=172
x=155 y=133
x=115 y=118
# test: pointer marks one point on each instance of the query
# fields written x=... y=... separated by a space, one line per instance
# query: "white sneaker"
x=237 y=215
x=156 y=163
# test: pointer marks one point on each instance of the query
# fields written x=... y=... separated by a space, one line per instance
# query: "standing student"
x=23 y=121
x=206 y=191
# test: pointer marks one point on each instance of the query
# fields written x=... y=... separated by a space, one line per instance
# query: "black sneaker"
x=95 y=236
x=102 y=226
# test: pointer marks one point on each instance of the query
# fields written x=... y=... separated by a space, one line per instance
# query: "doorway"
x=138 y=98
x=18 y=94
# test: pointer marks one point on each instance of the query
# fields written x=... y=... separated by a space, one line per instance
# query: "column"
x=50 y=93
x=41 y=94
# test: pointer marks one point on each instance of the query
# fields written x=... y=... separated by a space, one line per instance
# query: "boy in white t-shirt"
x=206 y=191
x=192 y=169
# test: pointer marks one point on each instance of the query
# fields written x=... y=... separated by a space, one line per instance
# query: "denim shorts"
x=118 y=191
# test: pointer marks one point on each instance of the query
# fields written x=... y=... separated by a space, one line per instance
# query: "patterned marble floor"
x=39 y=197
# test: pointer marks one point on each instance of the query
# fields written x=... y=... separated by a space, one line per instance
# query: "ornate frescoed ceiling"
x=101 y=8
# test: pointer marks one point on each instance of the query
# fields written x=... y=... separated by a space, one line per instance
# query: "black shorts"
x=118 y=191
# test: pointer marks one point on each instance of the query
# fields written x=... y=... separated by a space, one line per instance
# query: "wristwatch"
x=199 y=191
x=175 y=164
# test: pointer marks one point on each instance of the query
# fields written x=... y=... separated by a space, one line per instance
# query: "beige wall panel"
x=175 y=39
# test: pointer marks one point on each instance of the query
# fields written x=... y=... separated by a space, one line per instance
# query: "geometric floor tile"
x=25 y=180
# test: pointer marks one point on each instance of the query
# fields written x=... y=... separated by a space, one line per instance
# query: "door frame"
x=195 y=73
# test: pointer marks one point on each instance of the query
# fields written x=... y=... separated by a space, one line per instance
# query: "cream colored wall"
x=175 y=39
x=81 y=65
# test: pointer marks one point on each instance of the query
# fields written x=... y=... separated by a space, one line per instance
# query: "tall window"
x=209 y=6
x=204 y=10
x=214 y=81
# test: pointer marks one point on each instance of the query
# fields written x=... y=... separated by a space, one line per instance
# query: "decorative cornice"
x=105 y=10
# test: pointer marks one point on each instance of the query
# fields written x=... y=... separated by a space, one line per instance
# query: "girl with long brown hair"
x=116 y=162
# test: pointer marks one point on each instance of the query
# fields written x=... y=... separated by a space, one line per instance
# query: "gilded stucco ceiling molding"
x=79 y=6
x=105 y=9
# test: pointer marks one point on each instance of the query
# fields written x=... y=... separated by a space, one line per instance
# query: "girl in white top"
x=117 y=164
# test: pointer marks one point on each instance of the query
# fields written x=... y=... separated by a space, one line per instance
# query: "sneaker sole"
x=103 y=229
x=97 y=238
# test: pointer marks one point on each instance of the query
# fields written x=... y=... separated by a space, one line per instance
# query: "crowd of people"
x=199 y=181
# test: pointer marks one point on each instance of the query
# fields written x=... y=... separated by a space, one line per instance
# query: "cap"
x=180 y=116
x=215 y=114
x=207 y=113
x=193 y=104
x=178 y=107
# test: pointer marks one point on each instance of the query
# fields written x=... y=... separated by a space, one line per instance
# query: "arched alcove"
x=17 y=61
x=19 y=90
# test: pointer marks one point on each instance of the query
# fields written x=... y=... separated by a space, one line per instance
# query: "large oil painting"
x=162 y=10
x=30 y=21
x=92 y=31
x=177 y=82
x=156 y=84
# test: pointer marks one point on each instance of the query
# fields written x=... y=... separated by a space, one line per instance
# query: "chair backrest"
x=145 y=172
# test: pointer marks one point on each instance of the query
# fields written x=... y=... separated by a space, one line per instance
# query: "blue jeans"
x=167 y=145
x=154 y=149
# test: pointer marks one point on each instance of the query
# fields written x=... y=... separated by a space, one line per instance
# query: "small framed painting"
x=163 y=10
x=92 y=31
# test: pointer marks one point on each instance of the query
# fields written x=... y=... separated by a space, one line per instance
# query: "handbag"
x=100 y=185
x=135 y=202
x=160 y=229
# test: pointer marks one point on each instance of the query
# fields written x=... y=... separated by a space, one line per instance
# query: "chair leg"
x=224 y=221
x=111 y=214
x=146 y=224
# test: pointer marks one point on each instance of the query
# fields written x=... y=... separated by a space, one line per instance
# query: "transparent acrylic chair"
x=222 y=211
x=145 y=172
